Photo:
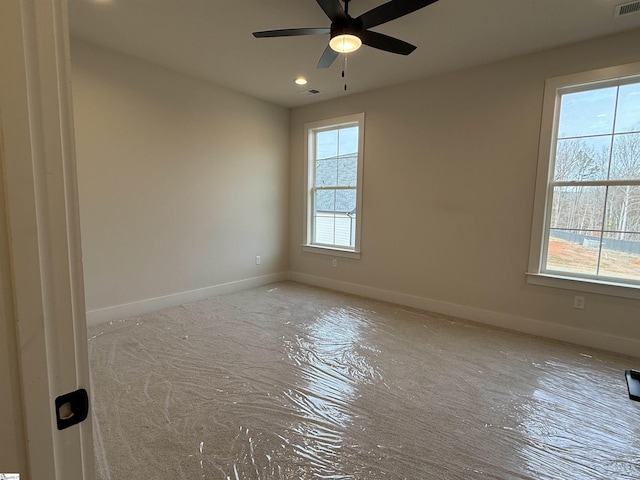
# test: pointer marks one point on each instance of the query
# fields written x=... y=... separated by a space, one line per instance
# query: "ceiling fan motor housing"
x=353 y=27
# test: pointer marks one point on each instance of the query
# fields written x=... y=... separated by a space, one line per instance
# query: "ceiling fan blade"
x=386 y=43
x=327 y=58
x=333 y=9
x=391 y=10
x=291 y=32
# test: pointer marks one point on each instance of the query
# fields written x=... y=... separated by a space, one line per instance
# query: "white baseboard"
x=588 y=338
x=118 y=312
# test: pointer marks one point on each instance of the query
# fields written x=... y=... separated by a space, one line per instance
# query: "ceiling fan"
x=348 y=33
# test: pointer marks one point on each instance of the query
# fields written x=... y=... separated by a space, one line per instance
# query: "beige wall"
x=181 y=183
x=449 y=177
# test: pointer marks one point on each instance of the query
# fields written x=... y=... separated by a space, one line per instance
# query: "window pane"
x=345 y=230
x=623 y=211
x=628 y=114
x=327 y=144
x=573 y=251
x=625 y=161
x=334 y=229
x=326 y=172
x=334 y=217
x=582 y=158
x=346 y=201
x=578 y=208
x=325 y=201
x=348 y=140
x=587 y=113
x=324 y=228
x=348 y=171
x=620 y=258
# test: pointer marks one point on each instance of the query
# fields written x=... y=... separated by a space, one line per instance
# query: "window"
x=334 y=186
x=587 y=216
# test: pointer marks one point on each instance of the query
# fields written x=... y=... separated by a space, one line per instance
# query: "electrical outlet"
x=334 y=262
x=578 y=302
x=258 y=260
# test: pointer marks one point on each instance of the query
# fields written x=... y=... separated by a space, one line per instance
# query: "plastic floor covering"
x=292 y=382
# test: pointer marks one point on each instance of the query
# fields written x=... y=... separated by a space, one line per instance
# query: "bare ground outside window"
x=566 y=256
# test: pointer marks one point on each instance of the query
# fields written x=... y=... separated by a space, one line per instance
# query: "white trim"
x=336 y=252
x=119 y=312
x=588 y=338
x=624 y=290
x=43 y=222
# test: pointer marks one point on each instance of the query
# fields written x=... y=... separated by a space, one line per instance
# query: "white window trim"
x=308 y=246
x=548 y=127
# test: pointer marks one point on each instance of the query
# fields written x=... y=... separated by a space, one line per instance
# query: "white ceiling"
x=211 y=39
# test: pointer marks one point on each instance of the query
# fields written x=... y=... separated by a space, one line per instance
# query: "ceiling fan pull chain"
x=344 y=72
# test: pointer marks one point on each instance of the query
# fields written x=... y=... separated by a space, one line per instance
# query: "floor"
x=293 y=382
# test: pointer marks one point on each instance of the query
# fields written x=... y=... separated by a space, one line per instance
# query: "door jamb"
x=44 y=235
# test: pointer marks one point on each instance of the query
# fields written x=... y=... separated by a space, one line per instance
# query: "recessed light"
x=300 y=81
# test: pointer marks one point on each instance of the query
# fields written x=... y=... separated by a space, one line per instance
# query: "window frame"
x=309 y=174
x=554 y=88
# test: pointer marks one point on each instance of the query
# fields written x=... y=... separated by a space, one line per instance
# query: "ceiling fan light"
x=345 y=43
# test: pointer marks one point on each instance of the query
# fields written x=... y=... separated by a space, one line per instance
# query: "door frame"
x=37 y=158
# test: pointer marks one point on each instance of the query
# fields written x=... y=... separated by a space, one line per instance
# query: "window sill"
x=335 y=252
x=584 y=285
